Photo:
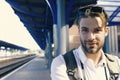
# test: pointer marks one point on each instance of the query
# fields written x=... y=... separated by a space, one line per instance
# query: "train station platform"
x=35 y=69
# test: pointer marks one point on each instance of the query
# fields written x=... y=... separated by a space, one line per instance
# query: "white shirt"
x=91 y=72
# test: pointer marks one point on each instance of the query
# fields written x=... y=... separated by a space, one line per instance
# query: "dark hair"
x=91 y=11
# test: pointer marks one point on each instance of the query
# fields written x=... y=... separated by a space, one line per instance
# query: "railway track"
x=13 y=63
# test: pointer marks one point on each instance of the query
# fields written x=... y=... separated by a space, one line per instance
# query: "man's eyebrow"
x=84 y=27
x=99 y=27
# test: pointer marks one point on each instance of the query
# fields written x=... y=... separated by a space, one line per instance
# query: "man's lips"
x=91 y=43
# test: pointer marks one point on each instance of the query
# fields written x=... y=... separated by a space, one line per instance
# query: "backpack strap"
x=113 y=66
x=71 y=65
x=72 y=69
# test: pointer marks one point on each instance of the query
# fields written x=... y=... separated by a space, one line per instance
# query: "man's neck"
x=96 y=57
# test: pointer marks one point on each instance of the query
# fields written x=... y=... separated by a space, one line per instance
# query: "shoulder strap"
x=72 y=70
x=71 y=65
x=113 y=66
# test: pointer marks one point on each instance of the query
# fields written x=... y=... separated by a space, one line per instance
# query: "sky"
x=12 y=30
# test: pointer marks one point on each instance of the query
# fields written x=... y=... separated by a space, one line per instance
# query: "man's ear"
x=78 y=28
x=106 y=30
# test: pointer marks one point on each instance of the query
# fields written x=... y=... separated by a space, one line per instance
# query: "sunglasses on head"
x=90 y=9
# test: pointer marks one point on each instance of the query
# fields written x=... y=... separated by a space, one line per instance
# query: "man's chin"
x=92 y=51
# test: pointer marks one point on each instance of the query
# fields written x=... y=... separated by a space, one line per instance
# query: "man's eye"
x=84 y=30
x=97 y=30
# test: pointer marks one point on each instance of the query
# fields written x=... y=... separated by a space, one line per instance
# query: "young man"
x=92 y=27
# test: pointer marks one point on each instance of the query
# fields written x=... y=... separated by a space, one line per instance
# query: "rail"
x=13 y=63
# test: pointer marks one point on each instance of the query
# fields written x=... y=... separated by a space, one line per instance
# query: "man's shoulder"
x=112 y=57
x=58 y=68
x=113 y=63
x=58 y=60
x=61 y=56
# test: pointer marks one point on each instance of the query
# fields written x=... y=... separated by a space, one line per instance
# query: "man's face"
x=92 y=34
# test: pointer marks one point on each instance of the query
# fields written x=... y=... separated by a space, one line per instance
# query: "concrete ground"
x=36 y=69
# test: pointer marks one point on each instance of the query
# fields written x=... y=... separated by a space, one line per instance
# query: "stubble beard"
x=91 y=50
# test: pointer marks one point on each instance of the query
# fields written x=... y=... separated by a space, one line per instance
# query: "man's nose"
x=91 y=36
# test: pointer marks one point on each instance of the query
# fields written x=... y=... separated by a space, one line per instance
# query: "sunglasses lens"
x=93 y=9
x=82 y=11
x=96 y=10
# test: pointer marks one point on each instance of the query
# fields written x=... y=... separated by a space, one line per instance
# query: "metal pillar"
x=49 y=52
x=55 y=39
x=62 y=29
x=111 y=43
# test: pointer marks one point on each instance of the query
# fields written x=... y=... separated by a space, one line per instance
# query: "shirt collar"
x=81 y=55
x=103 y=60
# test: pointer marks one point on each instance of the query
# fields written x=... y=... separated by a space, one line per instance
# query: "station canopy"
x=38 y=16
x=7 y=45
